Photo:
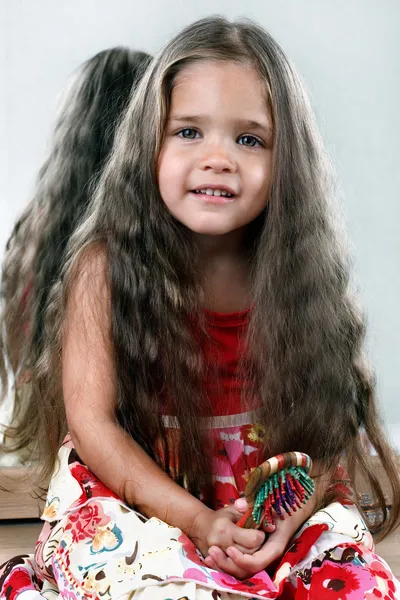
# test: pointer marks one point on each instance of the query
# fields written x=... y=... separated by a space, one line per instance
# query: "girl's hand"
x=217 y=529
x=243 y=565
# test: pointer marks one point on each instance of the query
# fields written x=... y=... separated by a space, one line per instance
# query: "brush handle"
x=271 y=466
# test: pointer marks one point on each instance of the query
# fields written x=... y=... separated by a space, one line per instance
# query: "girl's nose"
x=218 y=159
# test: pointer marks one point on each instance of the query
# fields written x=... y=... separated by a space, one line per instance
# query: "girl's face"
x=214 y=169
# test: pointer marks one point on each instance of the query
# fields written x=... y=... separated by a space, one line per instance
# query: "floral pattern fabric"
x=93 y=546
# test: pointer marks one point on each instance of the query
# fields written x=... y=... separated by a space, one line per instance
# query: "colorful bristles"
x=284 y=492
x=281 y=484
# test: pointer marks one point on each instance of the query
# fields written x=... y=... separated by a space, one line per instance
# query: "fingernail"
x=241 y=504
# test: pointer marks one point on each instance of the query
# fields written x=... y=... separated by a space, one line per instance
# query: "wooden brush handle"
x=271 y=466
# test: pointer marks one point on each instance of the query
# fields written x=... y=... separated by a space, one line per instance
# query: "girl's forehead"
x=211 y=70
x=219 y=87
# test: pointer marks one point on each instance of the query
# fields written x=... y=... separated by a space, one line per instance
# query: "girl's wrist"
x=197 y=526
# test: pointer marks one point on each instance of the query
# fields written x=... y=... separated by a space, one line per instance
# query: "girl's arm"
x=88 y=377
x=89 y=387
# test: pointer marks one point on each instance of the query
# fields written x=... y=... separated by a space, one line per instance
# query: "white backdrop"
x=348 y=51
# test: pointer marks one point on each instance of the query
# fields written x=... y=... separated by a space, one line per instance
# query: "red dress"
x=236 y=437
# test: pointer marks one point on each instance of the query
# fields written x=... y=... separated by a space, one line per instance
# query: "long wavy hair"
x=305 y=356
x=93 y=104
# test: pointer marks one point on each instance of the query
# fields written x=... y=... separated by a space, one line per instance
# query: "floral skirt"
x=94 y=546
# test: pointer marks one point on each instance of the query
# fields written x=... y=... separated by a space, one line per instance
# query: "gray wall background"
x=348 y=52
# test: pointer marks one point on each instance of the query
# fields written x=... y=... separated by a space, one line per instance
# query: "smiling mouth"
x=211 y=192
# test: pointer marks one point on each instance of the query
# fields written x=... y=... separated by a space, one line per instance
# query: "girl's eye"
x=250 y=141
x=188 y=133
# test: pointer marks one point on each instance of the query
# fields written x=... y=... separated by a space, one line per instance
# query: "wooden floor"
x=19 y=537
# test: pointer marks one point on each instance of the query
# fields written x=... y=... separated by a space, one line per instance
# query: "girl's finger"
x=245 y=550
x=234 y=511
x=210 y=563
x=225 y=564
x=244 y=561
x=248 y=538
x=241 y=505
x=269 y=528
x=259 y=560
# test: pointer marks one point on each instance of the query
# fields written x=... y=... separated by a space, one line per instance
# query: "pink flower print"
x=385 y=586
x=259 y=584
x=334 y=581
x=223 y=579
x=196 y=575
x=234 y=450
x=83 y=523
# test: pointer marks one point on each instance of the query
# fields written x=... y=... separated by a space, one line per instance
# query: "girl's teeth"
x=211 y=192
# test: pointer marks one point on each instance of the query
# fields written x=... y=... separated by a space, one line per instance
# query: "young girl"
x=203 y=324
x=82 y=140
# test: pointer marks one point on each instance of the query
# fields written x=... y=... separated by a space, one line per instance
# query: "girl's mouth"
x=216 y=192
x=209 y=196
